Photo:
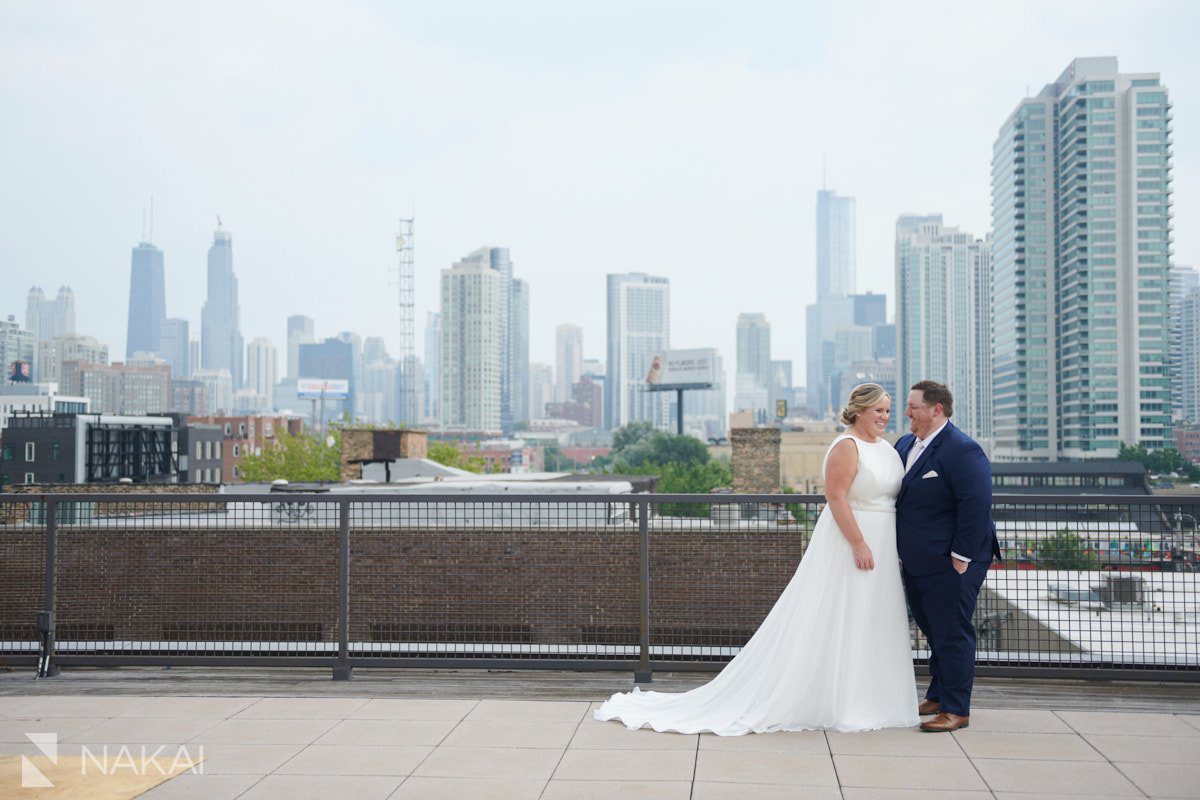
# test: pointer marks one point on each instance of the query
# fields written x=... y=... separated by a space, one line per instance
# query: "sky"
x=683 y=139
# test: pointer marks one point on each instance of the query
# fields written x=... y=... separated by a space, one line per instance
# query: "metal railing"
x=1092 y=586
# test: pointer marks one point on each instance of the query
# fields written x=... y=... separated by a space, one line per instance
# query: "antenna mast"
x=409 y=405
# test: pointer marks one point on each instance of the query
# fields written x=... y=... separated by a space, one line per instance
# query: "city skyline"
x=330 y=223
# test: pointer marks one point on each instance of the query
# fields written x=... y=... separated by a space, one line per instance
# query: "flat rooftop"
x=293 y=733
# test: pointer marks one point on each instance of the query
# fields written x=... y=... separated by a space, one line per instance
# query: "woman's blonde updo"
x=862 y=397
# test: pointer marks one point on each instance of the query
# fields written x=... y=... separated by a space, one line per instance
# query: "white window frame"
x=30 y=451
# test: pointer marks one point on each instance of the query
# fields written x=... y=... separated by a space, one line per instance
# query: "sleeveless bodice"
x=880 y=471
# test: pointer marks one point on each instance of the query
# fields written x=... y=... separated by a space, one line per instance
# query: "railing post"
x=342 y=671
x=46 y=667
x=642 y=673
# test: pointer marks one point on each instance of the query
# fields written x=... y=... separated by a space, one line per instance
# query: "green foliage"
x=681 y=462
x=299 y=458
x=556 y=461
x=631 y=434
x=449 y=455
x=688 y=479
x=1160 y=462
x=1066 y=550
x=635 y=447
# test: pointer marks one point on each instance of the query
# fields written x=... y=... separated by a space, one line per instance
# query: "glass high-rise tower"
x=639 y=328
x=147 y=300
x=1081 y=187
x=836 y=265
x=220 y=337
x=943 y=320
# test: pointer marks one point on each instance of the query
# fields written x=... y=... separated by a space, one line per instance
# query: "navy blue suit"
x=944 y=505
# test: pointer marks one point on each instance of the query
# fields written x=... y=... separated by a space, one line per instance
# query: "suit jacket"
x=945 y=503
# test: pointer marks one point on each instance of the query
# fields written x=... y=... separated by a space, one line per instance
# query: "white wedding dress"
x=833 y=654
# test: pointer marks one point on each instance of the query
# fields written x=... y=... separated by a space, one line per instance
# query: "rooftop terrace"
x=294 y=734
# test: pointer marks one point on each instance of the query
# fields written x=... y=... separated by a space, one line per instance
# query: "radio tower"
x=409 y=398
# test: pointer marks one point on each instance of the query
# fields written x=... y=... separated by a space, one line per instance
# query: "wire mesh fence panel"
x=717 y=568
x=1089 y=583
x=1086 y=583
x=23 y=563
x=518 y=579
x=202 y=578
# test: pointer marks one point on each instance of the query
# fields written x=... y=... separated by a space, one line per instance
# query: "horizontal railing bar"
x=1088 y=672
x=569 y=499
x=193 y=661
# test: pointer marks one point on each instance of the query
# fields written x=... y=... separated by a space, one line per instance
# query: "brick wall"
x=271 y=582
x=755 y=457
x=11 y=513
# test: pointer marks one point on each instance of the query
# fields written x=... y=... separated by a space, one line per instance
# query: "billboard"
x=328 y=388
x=682 y=369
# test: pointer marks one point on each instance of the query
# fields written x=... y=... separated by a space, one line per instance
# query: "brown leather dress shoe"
x=928 y=707
x=945 y=722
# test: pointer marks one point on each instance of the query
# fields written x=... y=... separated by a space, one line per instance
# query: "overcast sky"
x=680 y=139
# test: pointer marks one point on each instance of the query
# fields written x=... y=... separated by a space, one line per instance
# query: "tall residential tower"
x=943 y=317
x=1081 y=218
x=639 y=325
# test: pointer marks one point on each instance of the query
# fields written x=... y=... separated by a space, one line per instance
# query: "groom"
x=946 y=539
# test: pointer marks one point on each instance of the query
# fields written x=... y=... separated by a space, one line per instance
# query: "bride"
x=834 y=653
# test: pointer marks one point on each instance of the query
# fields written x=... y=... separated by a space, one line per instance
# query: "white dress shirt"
x=914 y=453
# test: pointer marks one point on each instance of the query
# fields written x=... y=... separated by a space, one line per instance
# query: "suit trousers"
x=942 y=605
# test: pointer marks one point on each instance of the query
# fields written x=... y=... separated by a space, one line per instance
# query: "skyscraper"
x=471 y=369
x=262 y=366
x=541 y=389
x=334 y=359
x=49 y=318
x=299 y=331
x=836 y=263
x=514 y=368
x=220 y=337
x=704 y=410
x=51 y=355
x=943 y=319
x=173 y=341
x=433 y=337
x=1081 y=213
x=568 y=349
x=380 y=383
x=836 y=266
x=518 y=361
x=1189 y=356
x=639 y=325
x=1183 y=280
x=870 y=309
x=754 y=348
x=823 y=320
x=147 y=300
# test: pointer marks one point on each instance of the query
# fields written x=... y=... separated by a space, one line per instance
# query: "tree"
x=449 y=455
x=661 y=449
x=556 y=461
x=631 y=434
x=694 y=478
x=1160 y=462
x=298 y=458
x=1066 y=550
